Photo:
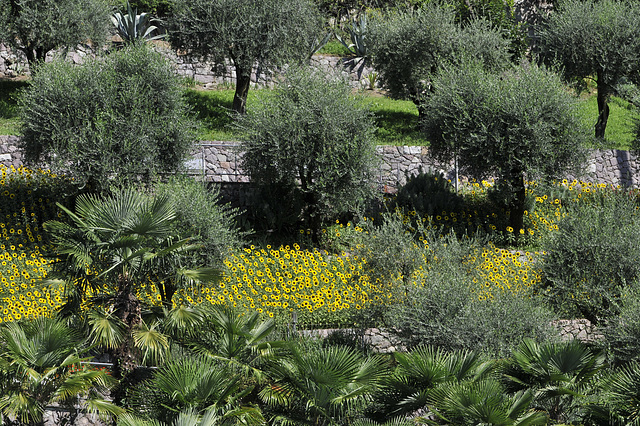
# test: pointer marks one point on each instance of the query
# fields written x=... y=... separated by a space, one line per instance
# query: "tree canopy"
x=109 y=121
x=311 y=141
x=511 y=125
x=594 y=39
x=37 y=27
x=263 y=34
x=410 y=47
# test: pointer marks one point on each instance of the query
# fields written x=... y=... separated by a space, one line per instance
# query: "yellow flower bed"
x=320 y=288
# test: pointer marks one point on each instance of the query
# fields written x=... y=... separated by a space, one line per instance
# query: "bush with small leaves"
x=112 y=120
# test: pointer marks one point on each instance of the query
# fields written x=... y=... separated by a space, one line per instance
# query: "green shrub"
x=390 y=249
x=622 y=332
x=117 y=119
x=439 y=308
x=428 y=193
x=593 y=257
x=201 y=213
x=313 y=141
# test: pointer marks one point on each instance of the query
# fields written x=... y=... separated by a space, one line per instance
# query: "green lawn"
x=620 y=131
x=9 y=90
x=397 y=121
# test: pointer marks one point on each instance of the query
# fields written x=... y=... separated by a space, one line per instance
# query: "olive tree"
x=37 y=27
x=112 y=120
x=314 y=142
x=410 y=47
x=512 y=125
x=248 y=33
x=594 y=39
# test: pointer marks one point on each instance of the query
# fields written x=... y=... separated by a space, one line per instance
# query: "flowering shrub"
x=322 y=288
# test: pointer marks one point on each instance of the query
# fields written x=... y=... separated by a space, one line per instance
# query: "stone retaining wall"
x=219 y=161
x=14 y=64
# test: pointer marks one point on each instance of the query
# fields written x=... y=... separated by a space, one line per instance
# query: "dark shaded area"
x=9 y=92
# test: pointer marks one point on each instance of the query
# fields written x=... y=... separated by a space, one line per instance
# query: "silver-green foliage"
x=597 y=40
x=314 y=140
x=592 y=260
x=505 y=124
x=410 y=47
x=248 y=33
x=36 y=27
x=201 y=214
x=109 y=121
x=438 y=307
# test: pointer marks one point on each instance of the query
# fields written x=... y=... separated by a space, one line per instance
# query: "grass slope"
x=397 y=121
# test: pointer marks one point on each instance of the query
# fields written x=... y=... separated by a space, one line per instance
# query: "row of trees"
x=587 y=40
x=477 y=106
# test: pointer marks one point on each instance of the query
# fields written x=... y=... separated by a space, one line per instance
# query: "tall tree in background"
x=598 y=40
x=37 y=27
x=410 y=47
x=248 y=33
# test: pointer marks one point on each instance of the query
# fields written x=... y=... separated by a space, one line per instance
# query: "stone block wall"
x=219 y=161
x=14 y=64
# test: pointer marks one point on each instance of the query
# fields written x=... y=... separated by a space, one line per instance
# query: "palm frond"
x=153 y=344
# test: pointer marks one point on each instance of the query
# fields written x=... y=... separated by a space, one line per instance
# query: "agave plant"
x=134 y=28
x=357 y=43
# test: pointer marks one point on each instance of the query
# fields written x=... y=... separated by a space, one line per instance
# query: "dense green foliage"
x=158 y=8
x=311 y=143
x=110 y=121
x=36 y=27
x=593 y=258
x=597 y=40
x=468 y=326
x=441 y=308
x=510 y=125
x=409 y=48
x=201 y=215
x=268 y=33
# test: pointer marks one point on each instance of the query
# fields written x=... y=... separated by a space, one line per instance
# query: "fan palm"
x=113 y=248
x=323 y=386
x=185 y=418
x=483 y=402
x=620 y=402
x=238 y=339
x=41 y=364
x=199 y=384
x=424 y=369
x=557 y=373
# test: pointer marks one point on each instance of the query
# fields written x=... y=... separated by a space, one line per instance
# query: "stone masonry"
x=219 y=161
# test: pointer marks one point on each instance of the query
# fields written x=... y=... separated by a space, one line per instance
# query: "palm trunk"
x=124 y=357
